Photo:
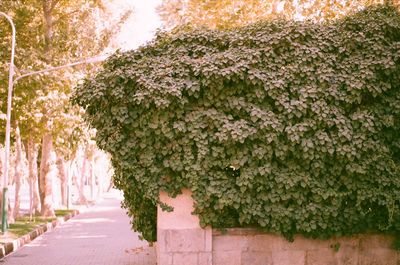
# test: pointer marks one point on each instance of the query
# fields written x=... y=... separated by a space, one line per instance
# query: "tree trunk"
x=70 y=174
x=63 y=179
x=34 y=201
x=46 y=176
x=99 y=176
x=81 y=187
x=77 y=180
x=92 y=181
x=18 y=171
x=48 y=6
x=111 y=185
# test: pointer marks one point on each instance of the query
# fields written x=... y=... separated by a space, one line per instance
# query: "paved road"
x=100 y=235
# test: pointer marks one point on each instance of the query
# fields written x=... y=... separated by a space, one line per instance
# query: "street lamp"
x=8 y=126
x=11 y=83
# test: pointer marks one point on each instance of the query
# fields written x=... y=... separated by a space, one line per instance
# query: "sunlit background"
x=141 y=25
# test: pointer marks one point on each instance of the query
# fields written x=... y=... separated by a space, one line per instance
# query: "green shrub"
x=287 y=126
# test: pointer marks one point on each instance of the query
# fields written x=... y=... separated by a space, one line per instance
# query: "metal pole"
x=8 y=127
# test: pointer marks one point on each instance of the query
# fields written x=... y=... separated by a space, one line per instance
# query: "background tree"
x=228 y=14
x=51 y=33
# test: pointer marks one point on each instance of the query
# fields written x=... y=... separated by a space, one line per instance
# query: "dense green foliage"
x=292 y=127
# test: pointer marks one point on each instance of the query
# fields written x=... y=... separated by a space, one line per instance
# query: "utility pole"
x=8 y=127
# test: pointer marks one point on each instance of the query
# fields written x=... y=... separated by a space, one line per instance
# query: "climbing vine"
x=291 y=127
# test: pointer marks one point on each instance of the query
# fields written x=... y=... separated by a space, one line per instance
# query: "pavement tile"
x=100 y=235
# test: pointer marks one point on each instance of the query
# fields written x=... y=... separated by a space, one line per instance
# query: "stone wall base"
x=181 y=241
x=252 y=247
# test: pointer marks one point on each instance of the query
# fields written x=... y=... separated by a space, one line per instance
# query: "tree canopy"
x=229 y=14
x=51 y=33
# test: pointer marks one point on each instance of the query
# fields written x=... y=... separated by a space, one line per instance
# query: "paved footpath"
x=101 y=235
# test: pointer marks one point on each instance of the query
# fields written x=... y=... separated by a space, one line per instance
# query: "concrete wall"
x=251 y=247
x=181 y=241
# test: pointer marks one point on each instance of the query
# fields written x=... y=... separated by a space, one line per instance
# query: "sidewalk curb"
x=9 y=247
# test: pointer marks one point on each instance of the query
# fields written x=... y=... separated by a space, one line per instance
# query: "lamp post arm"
x=51 y=69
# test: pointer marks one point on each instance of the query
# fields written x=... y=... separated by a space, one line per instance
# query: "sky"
x=141 y=26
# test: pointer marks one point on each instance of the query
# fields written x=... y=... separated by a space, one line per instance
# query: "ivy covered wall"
x=287 y=126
